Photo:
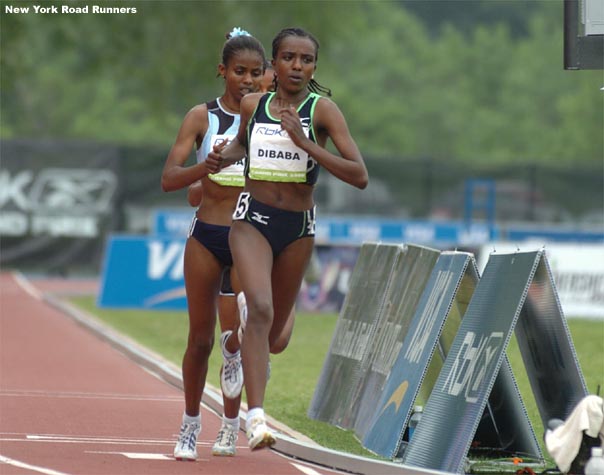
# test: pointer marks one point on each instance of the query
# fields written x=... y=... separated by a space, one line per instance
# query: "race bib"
x=274 y=157
x=231 y=175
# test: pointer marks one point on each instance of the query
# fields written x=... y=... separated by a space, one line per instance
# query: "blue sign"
x=553 y=235
x=339 y=230
x=143 y=272
x=336 y=230
x=172 y=222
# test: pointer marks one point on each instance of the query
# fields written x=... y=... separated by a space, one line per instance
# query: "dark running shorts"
x=215 y=239
x=280 y=227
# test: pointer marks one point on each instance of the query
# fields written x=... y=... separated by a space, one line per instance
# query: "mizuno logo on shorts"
x=259 y=218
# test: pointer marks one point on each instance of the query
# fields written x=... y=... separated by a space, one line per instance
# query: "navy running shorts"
x=280 y=227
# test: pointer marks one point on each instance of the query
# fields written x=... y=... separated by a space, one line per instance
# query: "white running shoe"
x=186 y=447
x=226 y=441
x=242 y=305
x=259 y=435
x=231 y=373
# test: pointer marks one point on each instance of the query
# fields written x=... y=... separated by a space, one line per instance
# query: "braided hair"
x=313 y=85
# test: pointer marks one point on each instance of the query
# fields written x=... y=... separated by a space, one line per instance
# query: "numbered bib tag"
x=311 y=221
x=243 y=204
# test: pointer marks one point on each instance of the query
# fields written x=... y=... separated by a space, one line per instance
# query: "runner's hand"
x=290 y=122
x=214 y=158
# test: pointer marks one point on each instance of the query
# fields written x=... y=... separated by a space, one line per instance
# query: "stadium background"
x=438 y=100
x=441 y=96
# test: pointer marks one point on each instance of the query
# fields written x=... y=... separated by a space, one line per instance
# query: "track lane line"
x=26 y=285
x=306 y=470
x=27 y=466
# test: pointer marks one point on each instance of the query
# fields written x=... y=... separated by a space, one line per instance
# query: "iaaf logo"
x=71 y=189
x=472 y=365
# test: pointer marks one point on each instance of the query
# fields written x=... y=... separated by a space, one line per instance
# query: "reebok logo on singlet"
x=271 y=131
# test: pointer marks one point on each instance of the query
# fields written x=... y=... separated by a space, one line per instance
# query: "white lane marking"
x=81 y=395
x=306 y=470
x=26 y=285
x=138 y=455
x=95 y=440
x=35 y=468
x=66 y=439
x=142 y=456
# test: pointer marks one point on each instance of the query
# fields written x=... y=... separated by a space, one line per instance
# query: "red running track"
x=70 y=403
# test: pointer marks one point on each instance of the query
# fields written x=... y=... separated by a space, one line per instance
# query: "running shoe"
x=259 y=435
x=186 y=447
x=241 y=304
x=231 y=373
x=226 y=441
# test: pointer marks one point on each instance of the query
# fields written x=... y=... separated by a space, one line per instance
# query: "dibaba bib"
x=273 y=156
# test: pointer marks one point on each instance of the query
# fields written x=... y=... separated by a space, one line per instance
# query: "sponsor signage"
x=344 y=367
x=384 y=290
x=56 y=202
x=334 y=230
x=172 y=222
x=515 y=293
x=504 y=425
x=143 y=272
x=385 y=434
x=577 y=270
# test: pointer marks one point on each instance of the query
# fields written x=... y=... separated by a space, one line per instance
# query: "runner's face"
x=243 y=74
x=267 y=81
x=295 y=63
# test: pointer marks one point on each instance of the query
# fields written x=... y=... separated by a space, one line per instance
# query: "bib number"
x=311 y=221
x=243 y=204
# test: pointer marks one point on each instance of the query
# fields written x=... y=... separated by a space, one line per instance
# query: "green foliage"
x=479 y=82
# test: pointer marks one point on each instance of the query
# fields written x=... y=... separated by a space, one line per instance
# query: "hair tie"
x=238 y=32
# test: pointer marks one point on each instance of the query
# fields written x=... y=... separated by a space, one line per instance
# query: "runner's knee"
x=260 y=312
x=200 y=345
x=279 y=345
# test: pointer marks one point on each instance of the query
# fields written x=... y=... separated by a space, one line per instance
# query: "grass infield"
x=295 y=372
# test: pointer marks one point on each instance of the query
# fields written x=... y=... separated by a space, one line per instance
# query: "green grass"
x=295 y=372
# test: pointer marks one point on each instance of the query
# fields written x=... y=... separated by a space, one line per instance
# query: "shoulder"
x=250 y=101
x=198 y=111
x=327 y=112
x=197 y=117
x=326 y=104
x=252 y=98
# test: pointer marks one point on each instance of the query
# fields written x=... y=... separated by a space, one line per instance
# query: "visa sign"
x=143 y=272
x=165 y=260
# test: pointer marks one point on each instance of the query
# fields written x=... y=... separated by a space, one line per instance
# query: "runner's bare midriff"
x=218 y=203
x=288 y=196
